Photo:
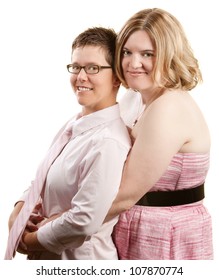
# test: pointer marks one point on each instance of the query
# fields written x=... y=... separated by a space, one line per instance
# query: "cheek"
x=150 y=65
x=124 y=63
x=72 y=80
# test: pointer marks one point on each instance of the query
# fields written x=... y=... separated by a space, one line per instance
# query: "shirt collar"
x=85 y=123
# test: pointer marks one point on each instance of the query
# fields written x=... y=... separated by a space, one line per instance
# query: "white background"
x=35 y=93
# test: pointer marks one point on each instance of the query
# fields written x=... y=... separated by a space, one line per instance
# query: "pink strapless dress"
x=169 y=233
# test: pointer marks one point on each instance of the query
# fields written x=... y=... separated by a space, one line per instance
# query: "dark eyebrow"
x=89 y=63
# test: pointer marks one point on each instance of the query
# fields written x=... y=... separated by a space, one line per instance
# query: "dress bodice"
x=185 y=170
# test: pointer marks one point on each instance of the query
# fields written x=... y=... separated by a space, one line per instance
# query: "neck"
x=86 y=111
x=149 y=96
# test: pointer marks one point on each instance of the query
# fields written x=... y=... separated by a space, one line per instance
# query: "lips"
x=137 y=72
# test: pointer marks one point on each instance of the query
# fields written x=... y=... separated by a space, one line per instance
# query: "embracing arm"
x=30 y=239
x=158 y=138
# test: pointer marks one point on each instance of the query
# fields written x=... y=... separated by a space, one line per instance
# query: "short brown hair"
x=104 y=38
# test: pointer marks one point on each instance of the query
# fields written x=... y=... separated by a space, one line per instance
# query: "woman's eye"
x=125 y=52
x=92 y=67
x=75 y=67
x=148 y=54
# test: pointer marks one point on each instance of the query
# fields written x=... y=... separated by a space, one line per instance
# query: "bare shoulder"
x=171 y=100
x=172 y=113
x=177 y=115
x=163 y=113
x=169 y=105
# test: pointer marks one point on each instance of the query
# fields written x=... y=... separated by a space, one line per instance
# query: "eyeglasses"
x=89 y=69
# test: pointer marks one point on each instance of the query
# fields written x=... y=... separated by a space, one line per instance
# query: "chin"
x=81 y=102
x=133 y=87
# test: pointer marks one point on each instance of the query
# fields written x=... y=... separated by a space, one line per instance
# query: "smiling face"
x=93 y=91
x=138 y=60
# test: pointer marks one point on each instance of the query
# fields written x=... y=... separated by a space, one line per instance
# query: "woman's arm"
x=31 y=224
x=159 y=136
x=17 y=208
x=30 y=239
x=14 y=213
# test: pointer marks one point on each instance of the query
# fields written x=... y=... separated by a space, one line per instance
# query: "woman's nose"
x=82 y=75
x=135 y=61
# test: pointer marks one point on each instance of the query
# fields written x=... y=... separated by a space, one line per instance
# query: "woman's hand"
x=32 y=226
x=35 y=219
x=22 y=248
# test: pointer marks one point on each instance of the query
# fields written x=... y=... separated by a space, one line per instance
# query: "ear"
x=116 y=82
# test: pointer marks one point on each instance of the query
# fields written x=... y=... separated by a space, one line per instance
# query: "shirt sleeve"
x=100 y=176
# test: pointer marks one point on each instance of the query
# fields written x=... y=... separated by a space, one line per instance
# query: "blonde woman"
x=166 y=169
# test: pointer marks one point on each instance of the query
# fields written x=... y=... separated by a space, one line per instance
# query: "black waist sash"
x=172 y=198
